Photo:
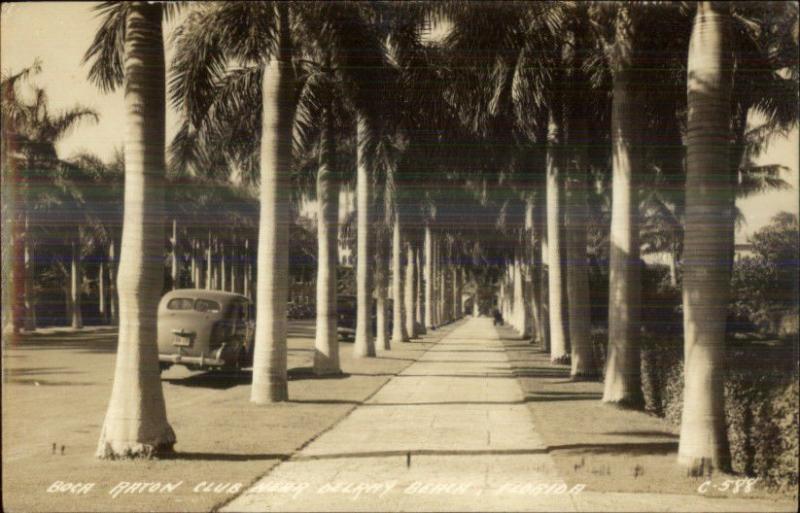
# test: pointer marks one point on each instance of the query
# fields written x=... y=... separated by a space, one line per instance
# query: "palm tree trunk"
x=248 y=271
x=223 y=267
x=537 y=328
x=456 y=296
x=193 y=272
x=270 y=380
x=399 y=310
x=521 y=309
x=429 y=279
x=136 y=422
x=622 y=385
x=101 y=291
x=558 y=336
x=174 y=270
x=30 y=296
x=411 y=284
x=544 y=287
x=580 y=336
x=326 y=341
x=706 y=275
x=364 y=344
x=76 y=279
x=112 y=284
x=209 y=265
x=381 y=277
x=419 y=290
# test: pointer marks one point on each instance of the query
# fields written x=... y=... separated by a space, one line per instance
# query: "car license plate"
x=178 y=340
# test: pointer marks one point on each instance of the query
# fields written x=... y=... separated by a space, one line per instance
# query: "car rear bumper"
x=201 y=361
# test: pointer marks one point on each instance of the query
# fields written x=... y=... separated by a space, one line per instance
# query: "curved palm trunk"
x=622 y=385
x=706 y=275
x=399 y=294
x=136 y=422
x=272 y=287
x=558 y=335
x=411 y=292
x=364 y=344
x=326 y=342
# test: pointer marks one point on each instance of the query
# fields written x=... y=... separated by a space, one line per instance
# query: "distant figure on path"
x=498 y=317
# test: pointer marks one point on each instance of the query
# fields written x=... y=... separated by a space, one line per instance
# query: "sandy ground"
x=56 y=388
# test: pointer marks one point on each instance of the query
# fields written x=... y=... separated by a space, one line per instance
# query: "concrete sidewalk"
x=450 y=433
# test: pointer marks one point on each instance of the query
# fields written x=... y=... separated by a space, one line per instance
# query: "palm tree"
x=136 y=422
x=706 y=276
x=31 y=130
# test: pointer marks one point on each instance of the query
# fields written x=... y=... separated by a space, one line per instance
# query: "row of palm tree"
x=474 y=156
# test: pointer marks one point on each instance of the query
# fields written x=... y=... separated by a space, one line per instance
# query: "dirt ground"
x=56 y=389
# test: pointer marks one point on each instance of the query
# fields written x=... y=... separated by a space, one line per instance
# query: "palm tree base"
x=584 y=376
x=130 y=449
x=698 y=466
x=626 y=403
x=275 y=393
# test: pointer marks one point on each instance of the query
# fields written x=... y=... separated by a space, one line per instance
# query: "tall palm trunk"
x=248 y=269
x=175 y=269
x=419 y=292
x=326 y=341
x=580 y=337
x=30 y=296
x=112 y=284
x=521 y=310
x=622 y=385
x=411 y=292
x=381 y=282
x=223 y=267
x=399 y=310
x=76 y=279
x=429 y=307
x=456 y=296
x=136 y=422
x=193 y=264
x=537 y=325
x=706 y=275
x=101 y=290
x=364 y=344
x=544 y=290
x=558 y=335
x=270 y=357
x=209 y=265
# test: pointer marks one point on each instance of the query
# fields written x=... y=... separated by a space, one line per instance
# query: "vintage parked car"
x=205 y=329
x=346 y=307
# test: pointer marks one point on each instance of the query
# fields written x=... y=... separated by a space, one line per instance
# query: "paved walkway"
x=450 y=433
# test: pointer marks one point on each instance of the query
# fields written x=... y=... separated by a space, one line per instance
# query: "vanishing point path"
x=452 y=432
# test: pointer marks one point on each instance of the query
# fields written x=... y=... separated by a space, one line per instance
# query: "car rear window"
x=180 y=303
x=204 y=305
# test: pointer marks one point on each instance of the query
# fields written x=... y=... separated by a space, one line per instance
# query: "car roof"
x=216 y=295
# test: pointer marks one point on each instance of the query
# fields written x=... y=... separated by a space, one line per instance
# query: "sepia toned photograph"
x=400 y=256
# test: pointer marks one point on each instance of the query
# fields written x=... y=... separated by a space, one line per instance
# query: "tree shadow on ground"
x=218 y=380
x=645 y=449
x=539 y=397
x=301 y=373
x=644 y=434
x=214 y=456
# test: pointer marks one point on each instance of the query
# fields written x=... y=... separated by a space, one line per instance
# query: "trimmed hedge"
x=761 y=394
